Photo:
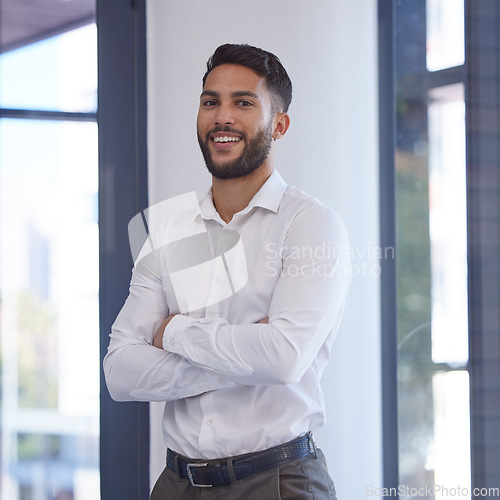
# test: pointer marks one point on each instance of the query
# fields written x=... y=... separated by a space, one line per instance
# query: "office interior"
x=395 y=125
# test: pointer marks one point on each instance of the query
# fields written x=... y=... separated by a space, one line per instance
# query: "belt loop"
x=177 y=468
x=312 y=443
x=231 y=470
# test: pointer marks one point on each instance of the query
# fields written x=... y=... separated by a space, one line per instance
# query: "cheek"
x=201 y=119
x=201 y=127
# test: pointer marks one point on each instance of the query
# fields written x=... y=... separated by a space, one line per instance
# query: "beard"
x=253 y=156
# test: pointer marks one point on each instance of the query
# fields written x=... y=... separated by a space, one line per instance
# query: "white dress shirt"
x=233 y=385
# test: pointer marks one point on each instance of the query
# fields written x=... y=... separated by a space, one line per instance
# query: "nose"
x=224 y=115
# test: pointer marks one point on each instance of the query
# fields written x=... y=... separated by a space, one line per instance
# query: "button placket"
x=207 y=431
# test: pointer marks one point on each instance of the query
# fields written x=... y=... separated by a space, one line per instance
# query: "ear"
x=281 y=124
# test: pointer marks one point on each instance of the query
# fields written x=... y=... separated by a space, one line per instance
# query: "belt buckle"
x=190 y=475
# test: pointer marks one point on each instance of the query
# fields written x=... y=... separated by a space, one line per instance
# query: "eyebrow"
x=239 y=93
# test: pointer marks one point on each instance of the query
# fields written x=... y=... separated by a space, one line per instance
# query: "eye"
x=244 y=103
x=209 y=103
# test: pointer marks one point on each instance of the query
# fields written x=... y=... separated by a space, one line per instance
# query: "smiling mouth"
x=225 y=139
x=222 y=137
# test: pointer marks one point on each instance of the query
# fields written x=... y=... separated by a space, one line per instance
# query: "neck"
x=230 y=196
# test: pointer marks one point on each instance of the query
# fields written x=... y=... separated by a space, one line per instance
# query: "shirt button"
x=226 y=232
x=210 y=421
x=174 y=394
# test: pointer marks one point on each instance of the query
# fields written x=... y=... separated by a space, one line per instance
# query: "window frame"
x=483 y=363
x=387 y=217
x=121 y=27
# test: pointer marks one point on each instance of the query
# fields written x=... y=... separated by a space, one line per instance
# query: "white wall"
x=329 y=48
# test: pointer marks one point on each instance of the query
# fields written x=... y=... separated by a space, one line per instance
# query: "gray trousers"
x=305 y=478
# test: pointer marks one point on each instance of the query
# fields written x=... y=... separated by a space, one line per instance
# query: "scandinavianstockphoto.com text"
x=403 y=491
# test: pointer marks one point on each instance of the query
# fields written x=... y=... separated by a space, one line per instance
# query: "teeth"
x=226 y=139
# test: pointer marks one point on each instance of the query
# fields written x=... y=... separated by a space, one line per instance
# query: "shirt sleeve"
x=304 y=313
x=134 y=369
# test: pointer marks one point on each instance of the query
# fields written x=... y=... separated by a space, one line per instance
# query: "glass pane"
x=451 y=457
x=58 y=74
x=445 y=34
x=49 y=310
x=448 y=230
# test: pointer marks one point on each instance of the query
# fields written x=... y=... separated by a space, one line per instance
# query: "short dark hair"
x=264 y=63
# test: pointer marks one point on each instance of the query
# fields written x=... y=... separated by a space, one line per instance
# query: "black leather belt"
x=207 y=473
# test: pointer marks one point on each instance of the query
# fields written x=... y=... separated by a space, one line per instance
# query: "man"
x=237 y=351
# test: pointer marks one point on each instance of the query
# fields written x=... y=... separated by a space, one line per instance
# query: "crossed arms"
x=157 y=356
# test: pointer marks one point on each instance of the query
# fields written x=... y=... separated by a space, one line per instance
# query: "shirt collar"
x=269 y=197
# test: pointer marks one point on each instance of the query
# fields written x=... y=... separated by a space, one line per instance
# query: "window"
x=49 y=270
x=431 y=243
x=445 y=38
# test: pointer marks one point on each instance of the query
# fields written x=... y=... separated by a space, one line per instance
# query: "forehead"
x=236 y=78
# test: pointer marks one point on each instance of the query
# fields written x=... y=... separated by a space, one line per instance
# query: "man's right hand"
x=158 y=340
